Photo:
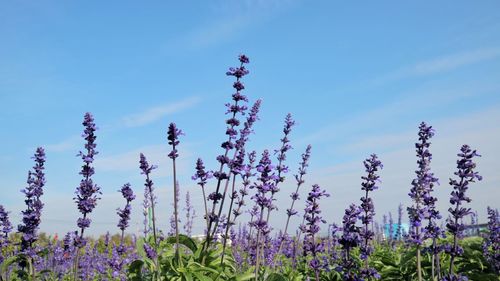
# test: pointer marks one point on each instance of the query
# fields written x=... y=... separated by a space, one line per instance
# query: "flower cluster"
x=491 y=245
x=312 y=227
x=266 y=184
x=124 y=213
x=149 y=197
x=299 y=178
x=87 y=193
x=285 y=146
x=246 y=174
x=466 y=174
x=424 y=203
x=173 y=134
x=33 y=192
x=5 y=229
x=372 y=165
x=349 y=240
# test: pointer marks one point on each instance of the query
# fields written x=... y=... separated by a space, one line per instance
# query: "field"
x=356 y=248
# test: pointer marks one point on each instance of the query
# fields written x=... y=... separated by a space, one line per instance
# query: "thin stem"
x=176 y=190
x=228 y=224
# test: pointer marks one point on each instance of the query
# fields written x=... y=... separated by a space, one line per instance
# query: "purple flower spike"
x=312 y=227
x=201 y=175
x=5 y=229
x=32 y=215
x=149 y=197
x=491 y=245
x=349 y=240
x=466 y=175
x=372 y=165
x=87 y=193
x=173 y=139
x=124 y=213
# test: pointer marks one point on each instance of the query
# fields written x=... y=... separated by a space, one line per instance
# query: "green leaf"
x=276 y=277
x=184 y=240
x=135 y=270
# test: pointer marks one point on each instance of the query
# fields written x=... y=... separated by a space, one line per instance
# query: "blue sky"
x=357 y=78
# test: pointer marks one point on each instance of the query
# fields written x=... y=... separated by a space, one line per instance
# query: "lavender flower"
x=31 y=216
x=87 y=193
x=285 y=146
x=372 y=165
x=312 y=227
x=246 y=175
x=5 y=229
x=231 y=131
x=124 y=213
x=421 y=194
x=349 y=240
x=146 y=170
x=466 y=175
x=295 y=195
x=173 y=139
x=190 y=215
x=202 y=176
x=491 y=245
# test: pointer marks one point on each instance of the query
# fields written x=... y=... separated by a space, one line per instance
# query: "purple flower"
x=124 y=213
x=285 y=146
x=173 y=134
x=32 y=215
x=466 y=175
x=312 y=227
x=87 y=193
x=372 y=166
x=190 y=215
x=422 y=186
x=491 y=245
x=148 y=192
x=5 y=229
x=349 y=240
x=201 y=175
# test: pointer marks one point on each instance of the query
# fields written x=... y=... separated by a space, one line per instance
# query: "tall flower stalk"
x=372 y=165
x=491 y=245
x=224 y=160
x=312 y=227
x=173 y=134
x=32 y=215
x=237 y=167
x=124 y=213
x=202 y=176
x=146 y=170
x=5 y=229
x=299 y=178
x=420 y=192
x=265 y=183
x=87 y=192
x=466 y=174
x=349 y=240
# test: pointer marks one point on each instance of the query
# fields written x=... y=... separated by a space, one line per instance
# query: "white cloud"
x=155 y=113
x=398 y=156
x=70 y=143
x=441 y=64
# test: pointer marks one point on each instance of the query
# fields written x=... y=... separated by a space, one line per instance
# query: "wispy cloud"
x=155 y=113
x=232 y=18
x=128 y=161
x=442 y=64
x=71 y=143
x=397 y=153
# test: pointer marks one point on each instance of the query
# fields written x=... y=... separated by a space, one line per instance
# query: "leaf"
x=276 y=277
x=135 y=270
x=184 y=240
